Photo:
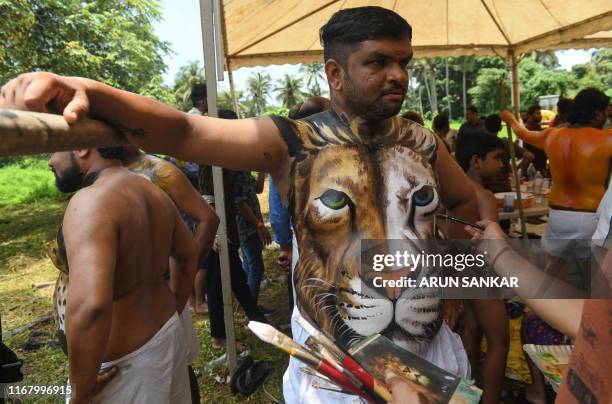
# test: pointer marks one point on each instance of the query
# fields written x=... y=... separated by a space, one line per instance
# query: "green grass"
x=26 y=232
x=28 y=180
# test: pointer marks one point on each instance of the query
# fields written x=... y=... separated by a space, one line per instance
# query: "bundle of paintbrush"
x=327 y=359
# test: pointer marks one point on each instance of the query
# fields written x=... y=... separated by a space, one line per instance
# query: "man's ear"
x=335 y=74
x=475 y=161
x=82 y=153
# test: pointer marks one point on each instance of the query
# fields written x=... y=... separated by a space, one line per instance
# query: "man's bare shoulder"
x=109 y=196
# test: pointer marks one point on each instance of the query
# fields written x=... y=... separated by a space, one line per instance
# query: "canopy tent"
x=264 y=32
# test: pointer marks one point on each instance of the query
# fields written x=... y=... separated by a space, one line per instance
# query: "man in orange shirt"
x=580 y=156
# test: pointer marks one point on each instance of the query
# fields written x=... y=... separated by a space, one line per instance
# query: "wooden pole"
x=24 y=133
x=207 y=16
x=515 y=107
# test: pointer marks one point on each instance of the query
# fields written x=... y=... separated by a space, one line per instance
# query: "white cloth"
x=191 y=338
x=445 y=351
x=155 y=373
x=568 y=230
x=603 y=233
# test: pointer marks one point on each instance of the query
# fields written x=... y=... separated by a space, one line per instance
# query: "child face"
x=492 y=165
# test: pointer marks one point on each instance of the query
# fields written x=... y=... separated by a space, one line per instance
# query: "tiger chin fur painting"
x=347 y=185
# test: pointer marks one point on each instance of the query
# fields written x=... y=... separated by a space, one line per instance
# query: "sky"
x=181 y=27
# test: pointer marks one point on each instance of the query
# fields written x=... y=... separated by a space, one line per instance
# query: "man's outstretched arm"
x=242 y=144
x=537 y=139
x=92 y=253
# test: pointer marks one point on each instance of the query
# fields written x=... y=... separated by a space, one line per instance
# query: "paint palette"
x=551 y=360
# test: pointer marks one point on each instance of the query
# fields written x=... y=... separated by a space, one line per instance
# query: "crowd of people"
x=138 y=243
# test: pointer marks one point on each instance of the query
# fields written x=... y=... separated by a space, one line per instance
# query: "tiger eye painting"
x=347 y=185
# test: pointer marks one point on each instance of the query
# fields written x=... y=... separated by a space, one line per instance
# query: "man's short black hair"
x=564 y=105
x=586 y=105
x=493 y=123
x=111 y=153
x=472 y=109
x=532 y=109
x=478 y=144
x=440 y=122
x=351 y=26
x=198 y=94
x=227 y=114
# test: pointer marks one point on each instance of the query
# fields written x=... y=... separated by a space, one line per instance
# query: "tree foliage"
x=189 y=75
x=289 y=90
x=112 y=41
x=259 y=86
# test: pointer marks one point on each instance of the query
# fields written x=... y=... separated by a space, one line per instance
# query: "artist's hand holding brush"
x=401 y=391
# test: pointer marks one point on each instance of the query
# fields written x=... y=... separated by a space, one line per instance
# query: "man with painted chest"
x=356 y=171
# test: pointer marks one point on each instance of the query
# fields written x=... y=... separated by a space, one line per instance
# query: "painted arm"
x=183 y=265
x=91 y=243
x=242 y=144
x=190 y=202
x=537 y=139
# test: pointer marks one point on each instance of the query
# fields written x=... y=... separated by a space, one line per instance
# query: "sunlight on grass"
x=28 y=181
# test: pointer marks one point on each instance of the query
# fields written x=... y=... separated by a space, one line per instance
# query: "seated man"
x=121 y=316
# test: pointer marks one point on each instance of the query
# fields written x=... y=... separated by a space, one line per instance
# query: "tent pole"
x=516 y=107
x=208 y=39
x=230 y=76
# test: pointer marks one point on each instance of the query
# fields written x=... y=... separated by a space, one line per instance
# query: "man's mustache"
x=394 y=89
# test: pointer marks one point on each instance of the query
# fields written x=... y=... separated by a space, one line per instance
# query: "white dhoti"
x=569 y=231
x=445 y=351
x=154 y=373
x=191 y=338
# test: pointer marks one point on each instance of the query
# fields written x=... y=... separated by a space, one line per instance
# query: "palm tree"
x=186 y=78
x=467 y=64
x=313 y=73
x=289 y=91
x=259 y=86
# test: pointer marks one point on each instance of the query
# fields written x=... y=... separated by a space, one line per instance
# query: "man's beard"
x=376 y=111
x=71 y=179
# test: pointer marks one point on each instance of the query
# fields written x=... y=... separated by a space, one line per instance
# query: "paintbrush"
x=378 y=389
x=272 y=336
x=458 y=220
x=321 y=352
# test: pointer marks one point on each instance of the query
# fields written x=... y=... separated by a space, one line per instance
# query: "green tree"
x=112 y=41
x=538 y=80
x=187 y=76
x=313 y=73
x=598 y=72
x=289 y=91
x=259 y=86
x=486 y=93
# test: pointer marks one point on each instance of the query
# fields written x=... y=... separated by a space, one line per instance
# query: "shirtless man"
x=480 y=155
x=189 y=202
x=122 y=317
x=580 y=156
x=336 y=205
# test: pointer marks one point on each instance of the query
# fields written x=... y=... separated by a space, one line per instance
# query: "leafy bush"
x=27 y=180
